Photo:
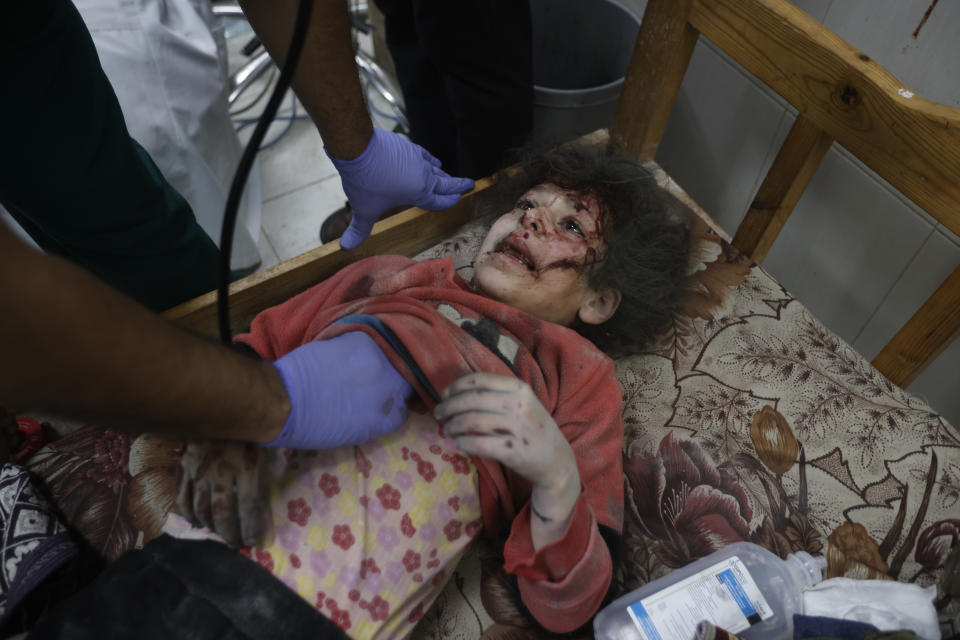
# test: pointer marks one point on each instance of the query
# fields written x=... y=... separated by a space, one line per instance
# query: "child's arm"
x=564 y=566
x=501 y=418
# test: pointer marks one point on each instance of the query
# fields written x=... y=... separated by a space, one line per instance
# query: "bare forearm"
x=326 y=78
x=74 y=346
x=553 y=505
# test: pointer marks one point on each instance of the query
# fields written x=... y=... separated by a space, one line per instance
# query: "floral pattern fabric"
x=370 y=534
x=748 y=420
x=34 y=541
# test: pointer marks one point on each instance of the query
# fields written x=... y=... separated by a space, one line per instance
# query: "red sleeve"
x=563 y=583
x=284 y=327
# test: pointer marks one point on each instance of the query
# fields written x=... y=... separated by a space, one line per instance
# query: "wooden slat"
x=660 y=58
x=925 y=336
x=407 y=233
x=911 y=142
x=789 y=175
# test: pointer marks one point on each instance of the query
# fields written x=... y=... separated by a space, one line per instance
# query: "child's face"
x=536 y=257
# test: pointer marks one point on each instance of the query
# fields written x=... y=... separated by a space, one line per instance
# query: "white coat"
x=166 y=60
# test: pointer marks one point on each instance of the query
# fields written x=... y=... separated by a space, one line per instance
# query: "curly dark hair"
x=647 y=239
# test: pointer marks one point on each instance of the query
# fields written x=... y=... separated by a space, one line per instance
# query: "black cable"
x=252 y=45
x=266 y=87
x=246 y=162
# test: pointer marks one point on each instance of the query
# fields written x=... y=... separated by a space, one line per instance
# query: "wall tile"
x=860 y=256
x=268 y=257
x=938 y=384
x=723 y=133
x=845 y=245
x=294 y=162
x=637 y=7
x=883 y=29
x=937 y=258
x=292 y=222
x=949 y=235
x=816 y=8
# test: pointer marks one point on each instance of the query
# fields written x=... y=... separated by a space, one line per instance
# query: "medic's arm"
x=326 y=79
x=74 y=346
x=378 y=169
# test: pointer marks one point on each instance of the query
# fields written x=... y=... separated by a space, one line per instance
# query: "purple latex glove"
x=342 y=391
x=393 y=171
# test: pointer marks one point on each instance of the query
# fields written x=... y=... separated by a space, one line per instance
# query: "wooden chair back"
x=841 y=96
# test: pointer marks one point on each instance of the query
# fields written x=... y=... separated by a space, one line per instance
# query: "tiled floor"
x=300 y=189
x=299 y=183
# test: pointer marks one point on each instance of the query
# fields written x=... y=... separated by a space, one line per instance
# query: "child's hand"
x=219 y=487
x=501 y=418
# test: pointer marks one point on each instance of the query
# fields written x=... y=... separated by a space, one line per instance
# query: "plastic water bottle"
x=742 y=588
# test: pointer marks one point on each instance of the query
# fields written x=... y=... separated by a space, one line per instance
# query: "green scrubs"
x=74 y=178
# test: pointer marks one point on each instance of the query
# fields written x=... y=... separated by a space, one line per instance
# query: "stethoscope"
x=246 y=162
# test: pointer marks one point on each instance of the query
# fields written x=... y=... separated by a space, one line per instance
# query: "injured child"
x=514 y=424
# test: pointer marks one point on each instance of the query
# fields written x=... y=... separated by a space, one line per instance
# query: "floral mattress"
x=748 y=420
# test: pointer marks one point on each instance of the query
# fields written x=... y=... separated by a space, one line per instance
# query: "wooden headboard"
x=841 y=95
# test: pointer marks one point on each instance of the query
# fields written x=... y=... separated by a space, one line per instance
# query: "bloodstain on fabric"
x=387 y=406
x=363 y=463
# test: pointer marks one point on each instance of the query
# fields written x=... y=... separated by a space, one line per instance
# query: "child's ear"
x=599 y=306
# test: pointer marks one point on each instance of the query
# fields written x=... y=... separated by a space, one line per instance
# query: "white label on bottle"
x=724 y=594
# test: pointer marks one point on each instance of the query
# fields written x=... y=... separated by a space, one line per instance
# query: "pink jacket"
x=447 y=328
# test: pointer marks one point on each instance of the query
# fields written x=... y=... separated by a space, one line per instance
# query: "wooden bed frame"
x=841 y=96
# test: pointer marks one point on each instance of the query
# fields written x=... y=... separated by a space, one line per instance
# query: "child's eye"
x=572 y=225
x=525 y=205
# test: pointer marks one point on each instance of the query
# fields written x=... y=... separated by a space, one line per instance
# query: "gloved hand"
x=342 y=391
x=220 y=486
x=393 y=171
